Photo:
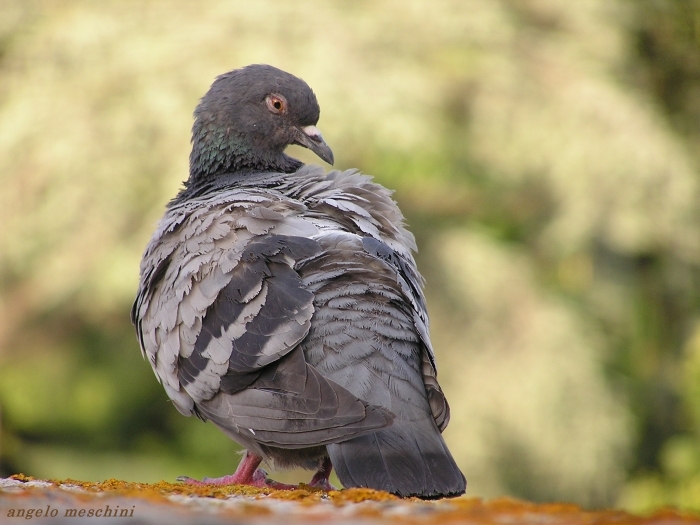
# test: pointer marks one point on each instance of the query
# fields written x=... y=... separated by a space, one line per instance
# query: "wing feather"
x=221 y=312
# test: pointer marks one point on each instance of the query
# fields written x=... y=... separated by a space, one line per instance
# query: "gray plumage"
x=283 y=304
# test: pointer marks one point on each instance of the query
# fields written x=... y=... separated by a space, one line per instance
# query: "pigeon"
x=282 y=303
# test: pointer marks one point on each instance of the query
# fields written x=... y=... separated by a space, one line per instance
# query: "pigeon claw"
x=320 y=479
x=247 y=473
x=323 y=484
x=259 y=479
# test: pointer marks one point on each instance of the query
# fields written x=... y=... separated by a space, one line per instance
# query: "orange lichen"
x=22 y=477
x=409 y=510
x=162 y=489
x=358 y=495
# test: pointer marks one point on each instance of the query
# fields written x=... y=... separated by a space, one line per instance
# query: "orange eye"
x=276 y=103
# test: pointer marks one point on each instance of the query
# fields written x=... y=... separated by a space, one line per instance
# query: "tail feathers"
x=409 y=458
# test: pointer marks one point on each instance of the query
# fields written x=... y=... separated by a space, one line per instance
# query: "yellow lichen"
x=474 y=510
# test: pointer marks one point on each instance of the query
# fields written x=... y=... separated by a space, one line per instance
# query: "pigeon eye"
x=276 y=103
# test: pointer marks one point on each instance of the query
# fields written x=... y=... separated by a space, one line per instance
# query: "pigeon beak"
x=310 y=137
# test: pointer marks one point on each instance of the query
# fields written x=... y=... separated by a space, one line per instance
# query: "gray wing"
x=220 y=314
x=352 y=201
x=369 y=334
x=269 y=392
x=258 y=317
x=410 y=281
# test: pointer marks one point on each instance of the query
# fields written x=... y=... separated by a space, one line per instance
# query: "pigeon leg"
x=320 y=479
x=247 y=473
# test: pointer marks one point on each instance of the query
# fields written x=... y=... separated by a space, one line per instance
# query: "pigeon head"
x=248 y=117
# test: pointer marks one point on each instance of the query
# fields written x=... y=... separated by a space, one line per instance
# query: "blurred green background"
x=545 y=152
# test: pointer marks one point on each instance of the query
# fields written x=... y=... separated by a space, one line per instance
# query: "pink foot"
x=320 y=479
x=247 y=473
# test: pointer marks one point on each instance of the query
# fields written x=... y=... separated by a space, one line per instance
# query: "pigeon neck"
x=218 y=152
